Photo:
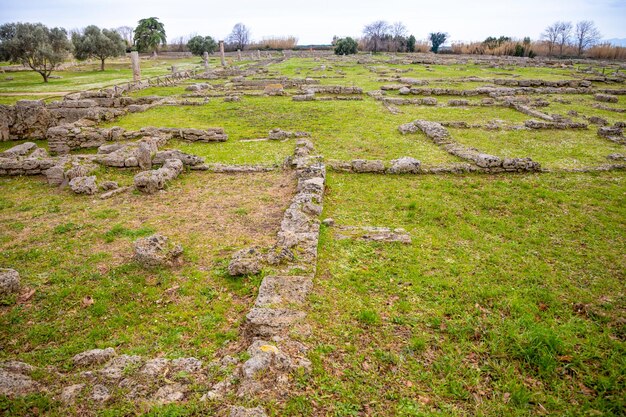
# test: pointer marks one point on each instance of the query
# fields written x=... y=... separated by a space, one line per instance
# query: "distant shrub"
x=346 y=46
x=198 y=45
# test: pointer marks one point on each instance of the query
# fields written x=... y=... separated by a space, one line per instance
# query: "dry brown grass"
x=278 y=42
x=539 y=48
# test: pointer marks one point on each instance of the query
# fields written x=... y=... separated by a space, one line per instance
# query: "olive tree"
x=34 y=45
x=345 y=46
x=149 y=34
x=95 y=43
x=198 y=45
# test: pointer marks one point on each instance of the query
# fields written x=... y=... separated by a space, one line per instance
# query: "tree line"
x=43 y=49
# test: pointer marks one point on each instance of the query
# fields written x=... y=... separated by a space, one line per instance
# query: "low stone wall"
x=64 y=138
x=31 y=119
x=489 y=163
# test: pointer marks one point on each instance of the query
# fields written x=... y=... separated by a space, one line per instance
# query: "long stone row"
x=488 y=163
x=278 y=309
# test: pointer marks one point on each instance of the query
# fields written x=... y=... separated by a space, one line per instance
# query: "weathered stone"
x=144 y=156
x=19 y=150
x=271 y=321
x=189 y=365
x=170 y=393
x=404 y=91
x=14 y=384
x=150 y=182
x=114 y=192
x=114 y=369
x=246 y=261
x=94 y=356
x=405 y=165
x=408 y=128
x=186 y=159
x=9 y=281
x=363 y=165
x=84 y=185
x=607 y=98
x=156 y=250
x=237 y=411
x=484 y=160
x=283 y=290
x=328 y=222
x=109 y=185
x=154 y=367
x=100 y=393
x=69 y=394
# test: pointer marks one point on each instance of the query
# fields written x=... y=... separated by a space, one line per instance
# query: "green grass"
x=551 y=148
x=478 y=315
x=340 y=130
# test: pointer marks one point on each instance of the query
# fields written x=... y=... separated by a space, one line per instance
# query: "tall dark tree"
x=96 y=43
x=198 y=45
x=437 y=39
x=149 y=34
x=239 y=37
x=410 y=44
x=375 y=33
x=34 y=45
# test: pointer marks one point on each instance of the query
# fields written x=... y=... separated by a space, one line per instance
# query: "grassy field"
x=510 y=300
x=68 y=248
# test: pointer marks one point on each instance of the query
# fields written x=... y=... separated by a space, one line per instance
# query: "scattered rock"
x=245 y=262
x=237 y=411
x=170 y=393
x=69 y=394
x=405 y=165
x=14 y=384
x=156 y=250
x=328 y=222
x=363 y=165
x=100 y=393
x=189 y=365
x=94 y=356
x=109 y=185
x=607 y=98
x=114 y=192
x=154 y=367
x=9 y=281
x=150 y=182
x=84 y=185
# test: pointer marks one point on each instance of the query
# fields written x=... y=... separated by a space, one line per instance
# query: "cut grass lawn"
x=69 y=247
x=509 y=301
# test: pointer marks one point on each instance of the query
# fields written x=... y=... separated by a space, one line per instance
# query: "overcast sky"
x=316 y=21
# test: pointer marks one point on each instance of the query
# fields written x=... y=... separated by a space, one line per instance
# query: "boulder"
x=84 y=185
x=9 y=281
x=405 y=165
x=363 y=165
x=94 y=356
x=157 y=250
x=150 y=182
x=246 y=261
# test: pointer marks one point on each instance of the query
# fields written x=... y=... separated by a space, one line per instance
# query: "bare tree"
x=586 y=35
x=565 y=33
x=398 y=33
x=375 y=32
x=551 y=36
x=240 y=36
x=126 y=32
